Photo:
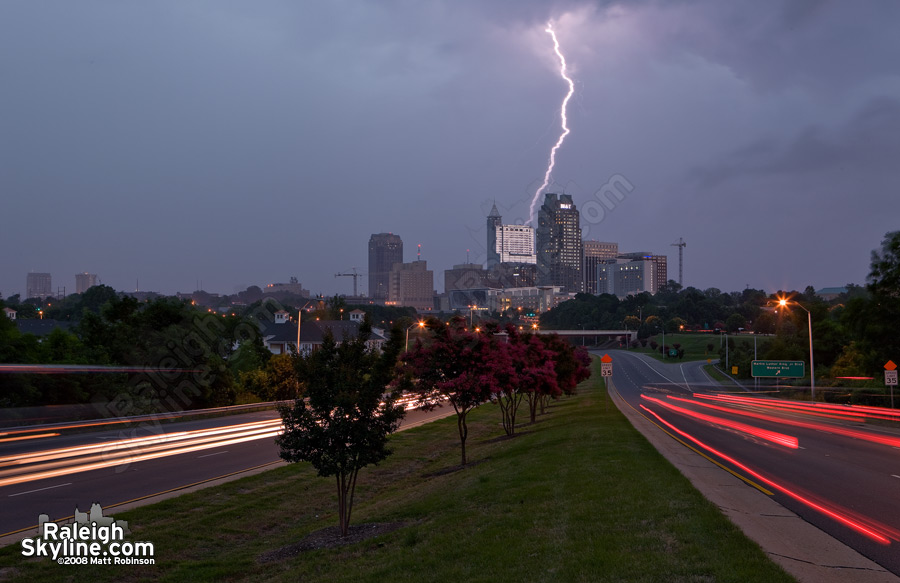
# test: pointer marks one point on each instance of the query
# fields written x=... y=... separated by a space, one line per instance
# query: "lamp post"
x=420 y=325
x=812 y=368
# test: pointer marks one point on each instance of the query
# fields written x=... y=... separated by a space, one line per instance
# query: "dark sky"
x=242 y=143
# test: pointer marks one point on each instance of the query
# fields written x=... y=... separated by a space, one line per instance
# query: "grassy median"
x=578 y=496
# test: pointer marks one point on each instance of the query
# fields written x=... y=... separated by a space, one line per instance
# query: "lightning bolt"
x=563 y=120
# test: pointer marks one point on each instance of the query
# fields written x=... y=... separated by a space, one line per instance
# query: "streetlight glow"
x=783 y=302
x=420 y=324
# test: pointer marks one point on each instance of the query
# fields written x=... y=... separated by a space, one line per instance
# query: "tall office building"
x=411 y=284
x=559 y=247
x=596 y=253
x=83 y=281
x=635 y=277
x=660 y=268
x=662 y=271
x=508 y=243
x=385 y=249
x=38 y=285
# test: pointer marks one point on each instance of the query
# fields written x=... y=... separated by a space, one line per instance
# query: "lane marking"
x=40 y=489
x=211 y=454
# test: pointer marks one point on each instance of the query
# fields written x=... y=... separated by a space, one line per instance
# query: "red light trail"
x=864 y=526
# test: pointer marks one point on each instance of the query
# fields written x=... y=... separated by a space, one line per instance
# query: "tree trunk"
x=463 y=432
x=533 y=400
x=342 y=503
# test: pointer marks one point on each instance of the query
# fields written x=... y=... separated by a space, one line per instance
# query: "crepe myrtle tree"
x=456 y=366
x=344 y=422
x=572 y=365
x=526 y=371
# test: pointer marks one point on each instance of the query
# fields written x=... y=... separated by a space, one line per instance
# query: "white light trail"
x=563 y=121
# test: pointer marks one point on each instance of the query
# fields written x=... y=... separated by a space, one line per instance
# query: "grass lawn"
x=696 y=346
x=578 y=496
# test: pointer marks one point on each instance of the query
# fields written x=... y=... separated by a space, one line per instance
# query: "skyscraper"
x=559 y=247
x=596 y=254
x=385 y=249
x=38 y=285
x=508 y=243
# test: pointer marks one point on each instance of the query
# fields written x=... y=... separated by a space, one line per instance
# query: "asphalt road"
x=842 y=476
x=53 y=475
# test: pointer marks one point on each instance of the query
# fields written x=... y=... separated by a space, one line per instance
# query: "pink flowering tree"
x=456 y=367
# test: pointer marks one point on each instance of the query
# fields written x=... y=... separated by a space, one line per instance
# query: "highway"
x=45 y=473
x=837 y=467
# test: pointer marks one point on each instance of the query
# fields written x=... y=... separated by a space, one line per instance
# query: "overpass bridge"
x=591 y=336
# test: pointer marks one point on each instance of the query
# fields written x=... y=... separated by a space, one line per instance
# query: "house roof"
x=41 y=327
x=313 y=332
x=832 y=290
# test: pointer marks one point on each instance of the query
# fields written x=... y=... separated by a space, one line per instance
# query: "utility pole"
x=681 y=245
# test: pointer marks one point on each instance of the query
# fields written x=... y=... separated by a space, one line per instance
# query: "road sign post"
x=781 y=369
x=890 y=378
x=606 y=366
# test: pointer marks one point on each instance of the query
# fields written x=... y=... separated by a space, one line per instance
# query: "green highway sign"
x=788 y=369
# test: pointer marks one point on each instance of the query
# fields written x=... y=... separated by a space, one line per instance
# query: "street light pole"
x=812 y=366
x=420 y=325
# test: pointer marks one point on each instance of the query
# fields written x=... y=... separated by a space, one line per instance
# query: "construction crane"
x=355 y=277
x=681 y=245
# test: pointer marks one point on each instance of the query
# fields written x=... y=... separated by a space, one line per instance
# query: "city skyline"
x=764 y=138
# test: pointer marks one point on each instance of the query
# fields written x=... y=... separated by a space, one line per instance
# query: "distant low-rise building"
x=831 y=293
x=293 y=287
x=9 y=313
x=280 y=336
x=529 y=299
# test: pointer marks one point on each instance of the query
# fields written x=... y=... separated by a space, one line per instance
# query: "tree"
x=344 y=423
x=735 y=322
x=571 y=365
x=277 y=381
x=524 y=369
x=455 y=367
x=884 y=277
x=851 y=362
x=539 y=375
